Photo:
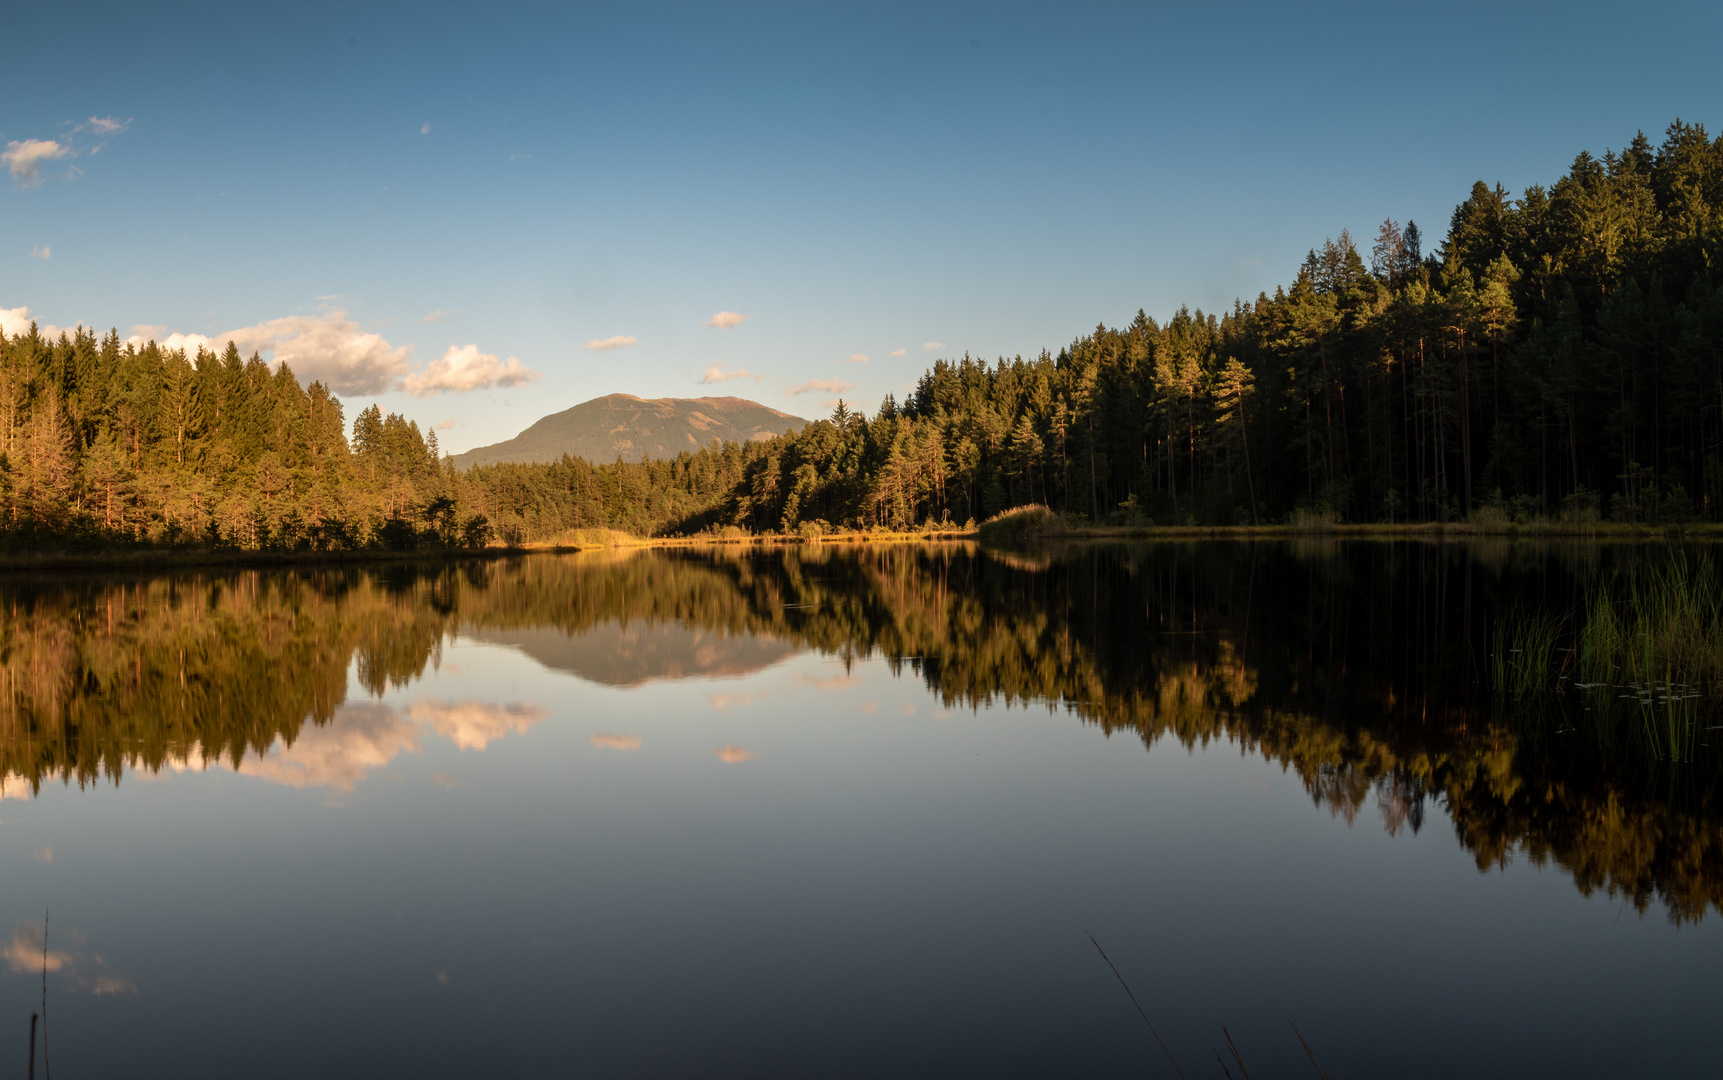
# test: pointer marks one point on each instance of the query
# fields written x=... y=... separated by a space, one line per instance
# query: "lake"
x=850 y=810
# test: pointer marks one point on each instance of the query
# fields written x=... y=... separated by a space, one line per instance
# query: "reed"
x=1525 y=654
x=1645 y=654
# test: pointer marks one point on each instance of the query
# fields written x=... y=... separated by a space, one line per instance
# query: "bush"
x=1021 y=522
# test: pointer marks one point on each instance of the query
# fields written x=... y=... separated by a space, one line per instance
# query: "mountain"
x=622 y=425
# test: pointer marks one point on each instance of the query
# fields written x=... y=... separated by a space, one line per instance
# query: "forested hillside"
x=1559 y=353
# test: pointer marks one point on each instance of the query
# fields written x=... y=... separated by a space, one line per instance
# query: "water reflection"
x=1355 y=667
x=75 y=968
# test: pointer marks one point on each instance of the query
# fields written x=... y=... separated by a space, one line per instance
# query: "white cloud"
x=716 y=374
x=899 y=352
x=425 y=128
x=191 y=343
x=617 y=341
x=330 y=348
x=435 y=317
x=108 y=125
x=820 y=386
x=726 y=319
x=465 y=368
x=43 y=252
x=25 y=158
x=443 y=425
x=15 y=321
x=932 y=345
x=857 y=358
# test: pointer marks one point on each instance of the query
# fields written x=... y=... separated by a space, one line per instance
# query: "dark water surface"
x=840 y=811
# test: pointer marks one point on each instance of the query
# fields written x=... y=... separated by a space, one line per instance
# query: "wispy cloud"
x=43 y=252
x=820 y=386
x=857 y=358
x=435 y=317
x=464 y=368
x=425 y=128
x=726 y=319
x=615 y=742
x=932 y=345
x=732 y=755
x=618 y=341
x=443 y=425
x=24 y=158
x=899 y=352
x=716 y=374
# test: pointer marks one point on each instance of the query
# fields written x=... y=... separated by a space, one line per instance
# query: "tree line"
x=1557 y=354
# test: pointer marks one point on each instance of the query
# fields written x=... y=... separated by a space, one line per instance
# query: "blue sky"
x=855 y=180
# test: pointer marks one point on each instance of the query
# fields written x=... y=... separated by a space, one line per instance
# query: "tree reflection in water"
x=1359 y=667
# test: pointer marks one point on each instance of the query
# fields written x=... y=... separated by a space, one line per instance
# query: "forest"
x=1556 y=356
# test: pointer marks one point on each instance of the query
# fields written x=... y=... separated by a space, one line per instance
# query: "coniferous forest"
x=1555 y=355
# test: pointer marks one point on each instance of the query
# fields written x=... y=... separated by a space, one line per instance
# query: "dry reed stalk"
x=1134 y=1001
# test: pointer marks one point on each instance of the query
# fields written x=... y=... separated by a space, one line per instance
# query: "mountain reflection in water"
x=1355 y=666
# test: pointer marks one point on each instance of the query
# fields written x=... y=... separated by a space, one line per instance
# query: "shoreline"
x=168 y=558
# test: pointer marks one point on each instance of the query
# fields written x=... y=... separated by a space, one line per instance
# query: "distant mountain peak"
x=632 y=428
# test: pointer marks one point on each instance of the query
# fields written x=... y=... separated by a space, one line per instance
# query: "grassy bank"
x=1018 y=525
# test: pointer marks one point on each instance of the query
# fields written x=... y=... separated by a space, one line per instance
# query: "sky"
x=479 y=214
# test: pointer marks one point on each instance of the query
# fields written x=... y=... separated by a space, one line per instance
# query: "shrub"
x=1022 y=521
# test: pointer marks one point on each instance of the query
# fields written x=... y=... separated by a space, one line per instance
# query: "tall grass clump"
x=1646 y=654
x=1525 y=655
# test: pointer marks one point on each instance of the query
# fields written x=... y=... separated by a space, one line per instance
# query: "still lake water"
x=836 y=811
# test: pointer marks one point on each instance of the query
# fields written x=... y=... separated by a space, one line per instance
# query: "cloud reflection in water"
x=363 y=737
